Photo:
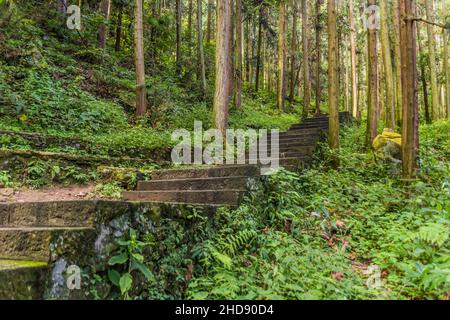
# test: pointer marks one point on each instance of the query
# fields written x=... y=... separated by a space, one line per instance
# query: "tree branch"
x=440 y=25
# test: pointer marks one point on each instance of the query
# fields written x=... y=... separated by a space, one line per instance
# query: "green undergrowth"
x=37 y=173
x=328 y=234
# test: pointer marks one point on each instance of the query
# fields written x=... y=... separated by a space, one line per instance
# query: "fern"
x=434 y=233
x=234 y=242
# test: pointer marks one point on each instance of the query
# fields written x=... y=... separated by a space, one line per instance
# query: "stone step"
x=288 y=142
x=216 y=183
x=291 y=162
x=207 y=172
x=48 y=214
x=307 y=126
x=26 y=155
x=296 y=138
x=34 y=243
x=302 y=153
x=22 y=280
x=321 y=119
x=301 y=131
x=41 y=142
x=223 y=197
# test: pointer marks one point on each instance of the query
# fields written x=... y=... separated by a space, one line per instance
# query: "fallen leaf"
x=340 y=224
x=337 y=276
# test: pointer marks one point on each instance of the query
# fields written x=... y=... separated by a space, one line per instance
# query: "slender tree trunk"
x=387 y=61
x=423 y=79
x=105 y=9
x=372 y=101
x=209 y=21
x=247 y=51
x=201 y=51
x=354 y=73
x=238 y=47
x=397 y=63
x=432 y=61
x=333 y=135
x=282 y=56
x=293 y=51
x=306 y=79
x=445 y=34
x=318 y=57
x=119 y=27
x=425 y=93
x=224 y=64
x=141 y=103
x=258 y=53
x=410 y=140
x=253 y=47
x=189 y=26
x=178 y=13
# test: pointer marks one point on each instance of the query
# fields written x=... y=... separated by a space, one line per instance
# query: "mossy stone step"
x=41 y=142
x=214 y=197
x=48 y=214
x=35 y=243
x=22 y=280
x=76 y=159
x=207 y=172
x=215 y=183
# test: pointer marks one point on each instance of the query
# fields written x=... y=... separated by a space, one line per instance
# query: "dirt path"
x=54 y=193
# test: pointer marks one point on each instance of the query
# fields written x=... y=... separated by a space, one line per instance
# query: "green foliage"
x=127 y=260
x=315 y=235
x=110 y=190
x=5 y=180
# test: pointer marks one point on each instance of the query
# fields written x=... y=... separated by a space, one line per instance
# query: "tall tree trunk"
x=387 y=61
x=201 y=51
x=189 y=26
x=333 y=134
x=432 y=62
x=224 y=64
x=238 y=47
x=141 y=103
x=293 y=51
x=209 y=21
x=423 y=79
x=281 y=56
x=354 y=73
x=178 y=13
x=258 y=53
x=253 y=47
x=306 y=80
x=372 y=101
x=247 y=51
x=397 y=63
x=119 y=27
x=410 y=130
x=446 y=34
x=105 y=10
x=425 y=93
x=318 y=57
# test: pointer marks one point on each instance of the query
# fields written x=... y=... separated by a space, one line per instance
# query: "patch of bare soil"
x=54 y=193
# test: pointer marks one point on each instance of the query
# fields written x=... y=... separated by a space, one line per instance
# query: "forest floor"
x=52 y=193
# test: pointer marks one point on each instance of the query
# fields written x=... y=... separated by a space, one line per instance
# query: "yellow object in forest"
x=388 y=135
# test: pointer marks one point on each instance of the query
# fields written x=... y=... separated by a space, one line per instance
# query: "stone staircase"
x=36 y=239
x=226 y=184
